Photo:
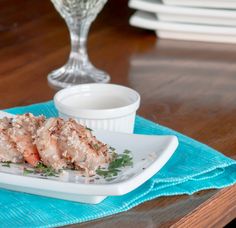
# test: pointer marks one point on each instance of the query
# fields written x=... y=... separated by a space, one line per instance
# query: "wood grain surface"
x=187 y=86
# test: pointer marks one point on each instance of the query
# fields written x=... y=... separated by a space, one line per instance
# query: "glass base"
x=67 y=76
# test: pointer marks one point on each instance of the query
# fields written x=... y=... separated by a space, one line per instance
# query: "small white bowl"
x=99 y=106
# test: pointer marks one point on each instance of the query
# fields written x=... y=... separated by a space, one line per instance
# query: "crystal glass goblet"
x=78 y=14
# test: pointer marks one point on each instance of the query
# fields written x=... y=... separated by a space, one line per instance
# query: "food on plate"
x=53 y=143
x=81 y=148
x=47 y=143
x=22 y=133
x=8 y=149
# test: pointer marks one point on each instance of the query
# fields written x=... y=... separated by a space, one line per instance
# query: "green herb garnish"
x=107 y=173
x=41 y=169
x=6 y=164
x=118 y=161
x=127 y=151
x=28 y=171
x=112 y=148
x=122 y=160
x=46 y=171
x=89 y=129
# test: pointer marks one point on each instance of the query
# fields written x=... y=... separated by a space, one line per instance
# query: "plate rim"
x=140 y=18
x=159 y=7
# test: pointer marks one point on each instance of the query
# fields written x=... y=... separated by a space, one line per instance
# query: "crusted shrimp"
x=22 y=133
x=8 y=149
x=47 y=143
x=55 y=142
x=81 y=148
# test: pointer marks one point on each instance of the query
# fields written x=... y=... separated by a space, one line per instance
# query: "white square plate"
x=149 y=154
x=183 y=31
x=223 y=4
x=186 y=14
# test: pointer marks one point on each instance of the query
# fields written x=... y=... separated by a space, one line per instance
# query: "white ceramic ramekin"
x=99 y=106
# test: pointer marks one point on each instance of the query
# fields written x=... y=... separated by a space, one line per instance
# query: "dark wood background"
x=187 y=86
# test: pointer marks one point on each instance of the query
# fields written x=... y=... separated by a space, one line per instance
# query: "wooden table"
x=187 y=86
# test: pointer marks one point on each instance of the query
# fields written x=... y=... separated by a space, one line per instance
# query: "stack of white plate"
x=200 y=20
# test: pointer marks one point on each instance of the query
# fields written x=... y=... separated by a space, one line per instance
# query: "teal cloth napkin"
x=193 y=167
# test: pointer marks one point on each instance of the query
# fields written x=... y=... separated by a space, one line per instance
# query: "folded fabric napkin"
x=193 y=167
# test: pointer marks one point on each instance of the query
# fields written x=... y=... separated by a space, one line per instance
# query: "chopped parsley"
x=41 y=169
x=28 y=171
x=118 y=161
x=87 y=128
x=112 y=148
x=127 y=151
x=6 y=164
x=46 y=171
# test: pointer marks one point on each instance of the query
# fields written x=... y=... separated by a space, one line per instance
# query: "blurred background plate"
x=186 y=14
x=224 y=4
x=195 y=37
x=185 y=31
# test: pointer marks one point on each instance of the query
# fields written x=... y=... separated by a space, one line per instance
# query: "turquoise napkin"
x=192 y=168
